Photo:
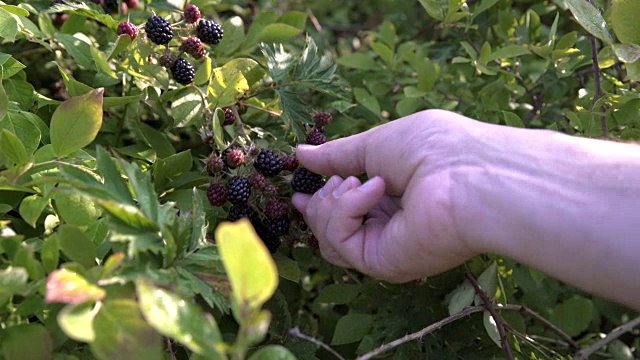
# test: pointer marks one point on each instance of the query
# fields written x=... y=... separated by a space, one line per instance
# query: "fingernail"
x=369 y=185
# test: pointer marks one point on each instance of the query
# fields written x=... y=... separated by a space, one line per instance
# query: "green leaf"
x=274 y=33
x=358 y=61
x=156 y=139
x=128 y=214
x=258 y=24
x=78 y=49
x=21 y=126
x=69 y=287
x=627 y=53
x=76 y=122
x=143 y=189
x=491 y=328
x=4 y=101
x=233 y=36
x=13 y=280
x=50 y=254
x=287 y=268
x=27 y=341
x=226 y=87
x=251 y=70
x=279 y=62
x=8 y=25
x=620 y=350
x=239 y=245
x=31 y=207
x=76 y=245
x=461 y=297
x=12 y=148
x=121 y=44
x=384 y=51
x=590 y=18
x=295 y=110
x=297 y=19
x=573 y=315
x=338 y=294
x=187 y=106
x=203 y=74
x=180 y=319
x=435 y=8
x=19 y=91
x=199 y=225
x=75 y=208
x=113 y=181
x=15 y=10
x=101 y=62
x=367 y=100
x=10 y=67
x=121 y=333
x=488 y=282
x=512 y=119
x=272 y=352
x=77 y=321
x=508 y=52
x=351 y=328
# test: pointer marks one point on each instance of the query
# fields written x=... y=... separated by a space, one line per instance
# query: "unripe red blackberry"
x=316 y=138
x=191 y=14
x=238 y=190
x=275 y=209
x=215 y=165
x=322 y=118
x=127 y=28
x=209 y=31
x=217 y=194
x=239 y=211
x=183 y=72
x=229 y=117
x=270 y=190
x=305 y=181
x=268 y=163
x=257 y=180
x=233 y=156
x=167 y=60
x=289 y=162
x=132 y=4
x=193 y=46
x=158 y=30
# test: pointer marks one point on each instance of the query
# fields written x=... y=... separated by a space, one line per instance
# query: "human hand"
x=402 y=223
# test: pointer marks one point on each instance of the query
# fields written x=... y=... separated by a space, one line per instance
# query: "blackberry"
x=193 y=46
x=268 y=163
x=313 y=243
x=127 y=28
x=322 y=118
x=289 y=162
x=305 y=181
x=316 y=138
x=183 y=72
x=229 y=117
x=167 y=60
x=270 y=241
x=233 y=157
x=275 y=209
x=214 y=165
x=238 y=190
x=158 y=30
x=239 y=211
x=209 y=31
x=110 y=6
x=277 y=227
x=257 y=180
x=191 y=13
x=217 y=194
x=270 y=190
x=132 y=4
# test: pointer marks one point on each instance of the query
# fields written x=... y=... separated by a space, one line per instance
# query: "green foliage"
x=106 y=245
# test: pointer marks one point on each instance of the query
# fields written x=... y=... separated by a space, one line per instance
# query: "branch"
x=296 y=333
x=596 y=75
x=614 y=334
x=488 y=304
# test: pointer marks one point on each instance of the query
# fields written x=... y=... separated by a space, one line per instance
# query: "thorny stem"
x=598 y=85
x=296 y=333
x=614 y=334
x=488 y=304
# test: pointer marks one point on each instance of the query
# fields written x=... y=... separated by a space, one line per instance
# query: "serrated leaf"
x=77 y=321
x=295 y=111
x=76 y=122
x=179 y=319
x=279 y=61
x=590 y=18
x=351 y=328
x=69 y=287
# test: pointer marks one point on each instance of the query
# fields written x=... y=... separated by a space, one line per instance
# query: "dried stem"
x=488 y=304
x=598 y=85
x=614 y=334
x=296 y=332
x=171 y=354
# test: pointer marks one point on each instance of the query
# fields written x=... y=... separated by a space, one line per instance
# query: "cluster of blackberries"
x=159 y=31
x=257 y=184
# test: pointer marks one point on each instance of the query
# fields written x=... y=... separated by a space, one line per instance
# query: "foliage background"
x=525 y=63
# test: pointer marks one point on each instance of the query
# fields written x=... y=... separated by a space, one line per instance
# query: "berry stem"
x=268 y=111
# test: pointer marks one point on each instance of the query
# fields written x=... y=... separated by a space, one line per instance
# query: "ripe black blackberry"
x=217 y=194
x=127 y=28
x=316 y=138
x=183 y=72
x=305 y=181
x=275 y=209
x=193 y=46
x=110 y=6
x=167 y=60
x=239 y=211
x=238 y=190
x=268 y=163
x=191 y=13
x=277 y=227
x=214 y=165
x=322 y=118
x=158 y=30
x=229 y=117
x=289 y=162
x=257 y=180
x=270 y=241
x=210 y=32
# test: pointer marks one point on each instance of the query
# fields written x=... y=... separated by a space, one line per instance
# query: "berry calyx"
x=305 y=181
x=217 y=194
x=158 y=30
x=191 y=14
x=268 y=163
x=316 y=138
x=209 y=31
x=193 y=46
x=229 y=117
x=127 y=28
x=238 y=190
x=183 y=72
x=322 y=118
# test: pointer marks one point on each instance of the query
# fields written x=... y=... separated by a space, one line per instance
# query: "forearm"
x=567 y=206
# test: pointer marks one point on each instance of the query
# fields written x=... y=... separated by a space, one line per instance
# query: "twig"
x=573 y=345
x=173 y=356
x=596 y=75
x=488 y=304
x=296 y=332
x=562 y=343
x=614 y=334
